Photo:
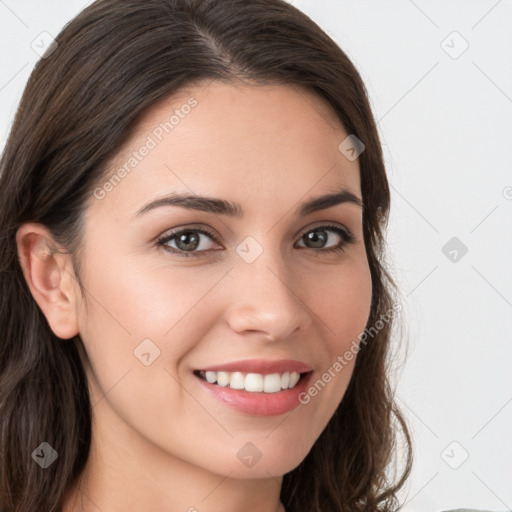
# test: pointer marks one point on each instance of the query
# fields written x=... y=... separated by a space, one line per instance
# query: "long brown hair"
x=112 y=62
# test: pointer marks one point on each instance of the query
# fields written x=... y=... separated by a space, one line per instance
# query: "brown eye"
x=327 y=238
x=315 y=239
x=188 y=242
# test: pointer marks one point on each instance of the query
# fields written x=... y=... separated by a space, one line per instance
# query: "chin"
x=268 y=456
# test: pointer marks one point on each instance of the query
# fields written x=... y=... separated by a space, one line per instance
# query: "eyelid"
x=326 y=224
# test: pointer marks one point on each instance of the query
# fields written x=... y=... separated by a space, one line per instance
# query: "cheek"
x=133 y=310
x=136 y=309
x=145 y=299
x=342 y=303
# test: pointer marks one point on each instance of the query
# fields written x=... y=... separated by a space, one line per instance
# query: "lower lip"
x=259 y=404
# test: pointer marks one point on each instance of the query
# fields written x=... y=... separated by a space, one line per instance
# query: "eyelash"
x=345 y=234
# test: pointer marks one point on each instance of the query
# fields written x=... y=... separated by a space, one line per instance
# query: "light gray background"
x=446 y=128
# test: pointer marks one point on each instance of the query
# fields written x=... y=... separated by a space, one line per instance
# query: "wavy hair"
x=113 y=61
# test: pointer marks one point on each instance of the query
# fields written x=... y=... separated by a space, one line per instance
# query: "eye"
x=188 y=240
x=327 y=238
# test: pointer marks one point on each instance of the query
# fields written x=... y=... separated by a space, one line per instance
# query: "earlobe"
x=49 y=276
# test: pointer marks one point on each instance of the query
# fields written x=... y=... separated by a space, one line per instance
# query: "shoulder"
x=469 y=510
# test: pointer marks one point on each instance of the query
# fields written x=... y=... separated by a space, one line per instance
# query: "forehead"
x=276 y=143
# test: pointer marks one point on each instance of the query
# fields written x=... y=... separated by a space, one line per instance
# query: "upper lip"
x=263 y=366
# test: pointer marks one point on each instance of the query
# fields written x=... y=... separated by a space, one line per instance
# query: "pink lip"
x=258 y=404
x=263 y=366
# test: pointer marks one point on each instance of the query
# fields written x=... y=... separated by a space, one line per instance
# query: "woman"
x=194 y=312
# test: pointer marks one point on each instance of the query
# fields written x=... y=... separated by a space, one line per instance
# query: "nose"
x=266 y=299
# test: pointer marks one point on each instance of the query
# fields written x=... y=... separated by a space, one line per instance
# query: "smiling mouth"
x=252 y=382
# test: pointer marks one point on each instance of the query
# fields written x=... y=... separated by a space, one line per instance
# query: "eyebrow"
x=232 y=209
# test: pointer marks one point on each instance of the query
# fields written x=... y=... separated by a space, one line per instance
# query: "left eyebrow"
x=231 y=209
x=326 y=201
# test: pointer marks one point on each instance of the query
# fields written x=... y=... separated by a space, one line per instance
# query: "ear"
x=50 y=278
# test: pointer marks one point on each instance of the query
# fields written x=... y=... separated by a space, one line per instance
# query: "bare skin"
x=160 y=441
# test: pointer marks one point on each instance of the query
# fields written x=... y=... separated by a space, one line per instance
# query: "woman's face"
x=253 y=281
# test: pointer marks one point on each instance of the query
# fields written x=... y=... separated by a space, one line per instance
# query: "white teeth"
x=272 y=383
x=211 y=377
x=237 y=380
x=294 y=378
x=222 y=378
x=253 y=382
